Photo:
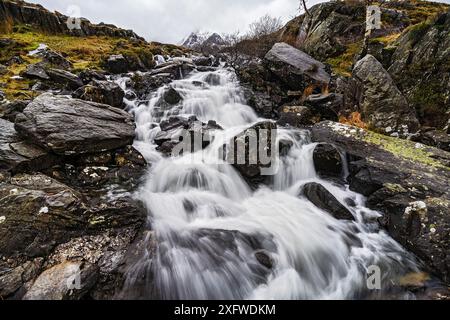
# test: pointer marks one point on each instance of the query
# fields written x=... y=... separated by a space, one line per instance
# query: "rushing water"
x=210 y=226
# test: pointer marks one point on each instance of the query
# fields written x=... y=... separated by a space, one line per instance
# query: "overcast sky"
x=171 y=20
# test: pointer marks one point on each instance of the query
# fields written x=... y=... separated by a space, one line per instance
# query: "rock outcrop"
x=382 y=105
x=406 y=181
x=71 y=126
x=421 y=69
x=16 y=12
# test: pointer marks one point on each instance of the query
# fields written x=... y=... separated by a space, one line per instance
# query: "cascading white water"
x=209 y=223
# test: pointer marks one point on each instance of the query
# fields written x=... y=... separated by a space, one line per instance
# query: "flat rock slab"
x=70 y=126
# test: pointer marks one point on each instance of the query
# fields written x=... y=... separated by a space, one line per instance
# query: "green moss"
x=403 y=149
x=342 y=65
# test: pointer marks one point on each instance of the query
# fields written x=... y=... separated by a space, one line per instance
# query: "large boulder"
x=296 y=69
x=382 y=105
x=406 y=181
x=323 y=199
x=245 y=151
x=105 y=92
x=71 y=126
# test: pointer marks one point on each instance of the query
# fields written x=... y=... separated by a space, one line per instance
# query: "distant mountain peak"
x=199 y=40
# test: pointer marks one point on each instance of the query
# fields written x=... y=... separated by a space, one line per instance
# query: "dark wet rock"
x=64 y=78
x=13 y=279
x=178 y=69
x=179 y=129
x=16 y=155
x=10 y=110
x=90 y=75
x=295 y=68
x=382 y=104
x=295 y=116
x=130 y=95
x=325 y=106
x=144 y=84
x=406 y=181
x=36 y=71
x=171 y=96
x=264 y=258
x=203 y=61
x=285 y=147
x=117 y=64
x=38 y=213
x=66 y=281
x=71 y=126
x=327 y=161
x=431 y=137
x=124 y=166
x=250 y=164
x=100 y=91
x=323 y=199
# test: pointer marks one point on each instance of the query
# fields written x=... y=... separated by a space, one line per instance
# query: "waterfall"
x=219 y=239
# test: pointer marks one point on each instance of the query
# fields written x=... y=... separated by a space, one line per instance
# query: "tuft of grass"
x=342 y=65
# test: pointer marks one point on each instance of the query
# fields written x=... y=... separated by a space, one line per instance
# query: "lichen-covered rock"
x=71 y=126
x=407 y=181
x=381 y=103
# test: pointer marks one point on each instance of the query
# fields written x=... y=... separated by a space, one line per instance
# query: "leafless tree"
x=264 y=26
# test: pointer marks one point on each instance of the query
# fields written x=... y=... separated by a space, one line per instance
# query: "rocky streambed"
x=94 y=206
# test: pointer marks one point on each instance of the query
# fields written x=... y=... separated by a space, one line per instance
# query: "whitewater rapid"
x=209 y=224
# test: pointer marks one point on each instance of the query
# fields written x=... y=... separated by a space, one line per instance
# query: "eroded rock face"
x=407 y=181
x=295 y=68
x=382 y=104
x=71 y=126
